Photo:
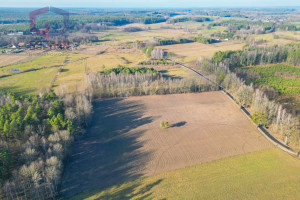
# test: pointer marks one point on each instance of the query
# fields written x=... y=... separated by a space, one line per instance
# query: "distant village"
x=36 y=45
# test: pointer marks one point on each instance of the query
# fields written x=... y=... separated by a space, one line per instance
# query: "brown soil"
x=125 y=140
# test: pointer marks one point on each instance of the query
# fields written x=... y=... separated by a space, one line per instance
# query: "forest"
x=36 y=134
x=254 y=55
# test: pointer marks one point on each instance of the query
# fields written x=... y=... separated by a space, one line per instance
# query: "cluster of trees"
x=178 y=19
x=184 y=19
x=148 y=50
x=156 y=62
x=129 y=70
x=173 y=41
x=157 y=54
x=36 y=133
x=132 y=29
x=204 y=40
x=164 y=125
x=166 y=42
x=199 y=38
x=259 y=55
x=264 y=111
x=124 y=85
x=224 y=35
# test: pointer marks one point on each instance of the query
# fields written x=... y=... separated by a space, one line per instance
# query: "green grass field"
x=269 y=174
x=29 y=82
x=43 y=61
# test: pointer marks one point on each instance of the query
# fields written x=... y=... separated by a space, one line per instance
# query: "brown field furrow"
x=125 y=140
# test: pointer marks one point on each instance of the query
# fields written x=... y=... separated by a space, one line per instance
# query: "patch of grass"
x=192 y=51
x=71 y=75
x=284 y=37
x=43 y=61
x=29 y=82
x=269 y=174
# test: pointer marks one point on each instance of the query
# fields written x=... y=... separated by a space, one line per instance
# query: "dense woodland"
x=252 y=55
x=36 y=134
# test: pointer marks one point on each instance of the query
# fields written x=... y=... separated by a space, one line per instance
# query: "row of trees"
x=36 y=134
x=129 y=70
x=124 y=85
x=184 y=19
x=264 y=111
x=156 y=62
x=253 y=55
x=199 y=38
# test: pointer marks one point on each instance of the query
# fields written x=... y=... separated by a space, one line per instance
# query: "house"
x=21 y=44
x=216 y=38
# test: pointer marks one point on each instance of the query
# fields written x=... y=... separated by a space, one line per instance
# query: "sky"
x=149 y=3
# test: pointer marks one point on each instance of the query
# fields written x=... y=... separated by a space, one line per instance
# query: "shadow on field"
x=130 y=191
x=166 y=75
x=179 y=124
x=16 y=90
x=109 y=154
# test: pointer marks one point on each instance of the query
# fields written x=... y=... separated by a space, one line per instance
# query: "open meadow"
x=269 y=174
x=12 y=59
x=190 y=52
x=125 y=140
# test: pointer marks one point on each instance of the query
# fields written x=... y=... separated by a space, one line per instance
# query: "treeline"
x=81 y=38
x=129 y=70
x=36 y=133
x=224 y=35
x=199 y=38
x=204 y=40
x=173 y=41
x=184 y=19
x=132 y=29
x=264 y=111
x=267 y=27
x=259 y=55
x=80 y=22
x=156 y=62
x=124 y=85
